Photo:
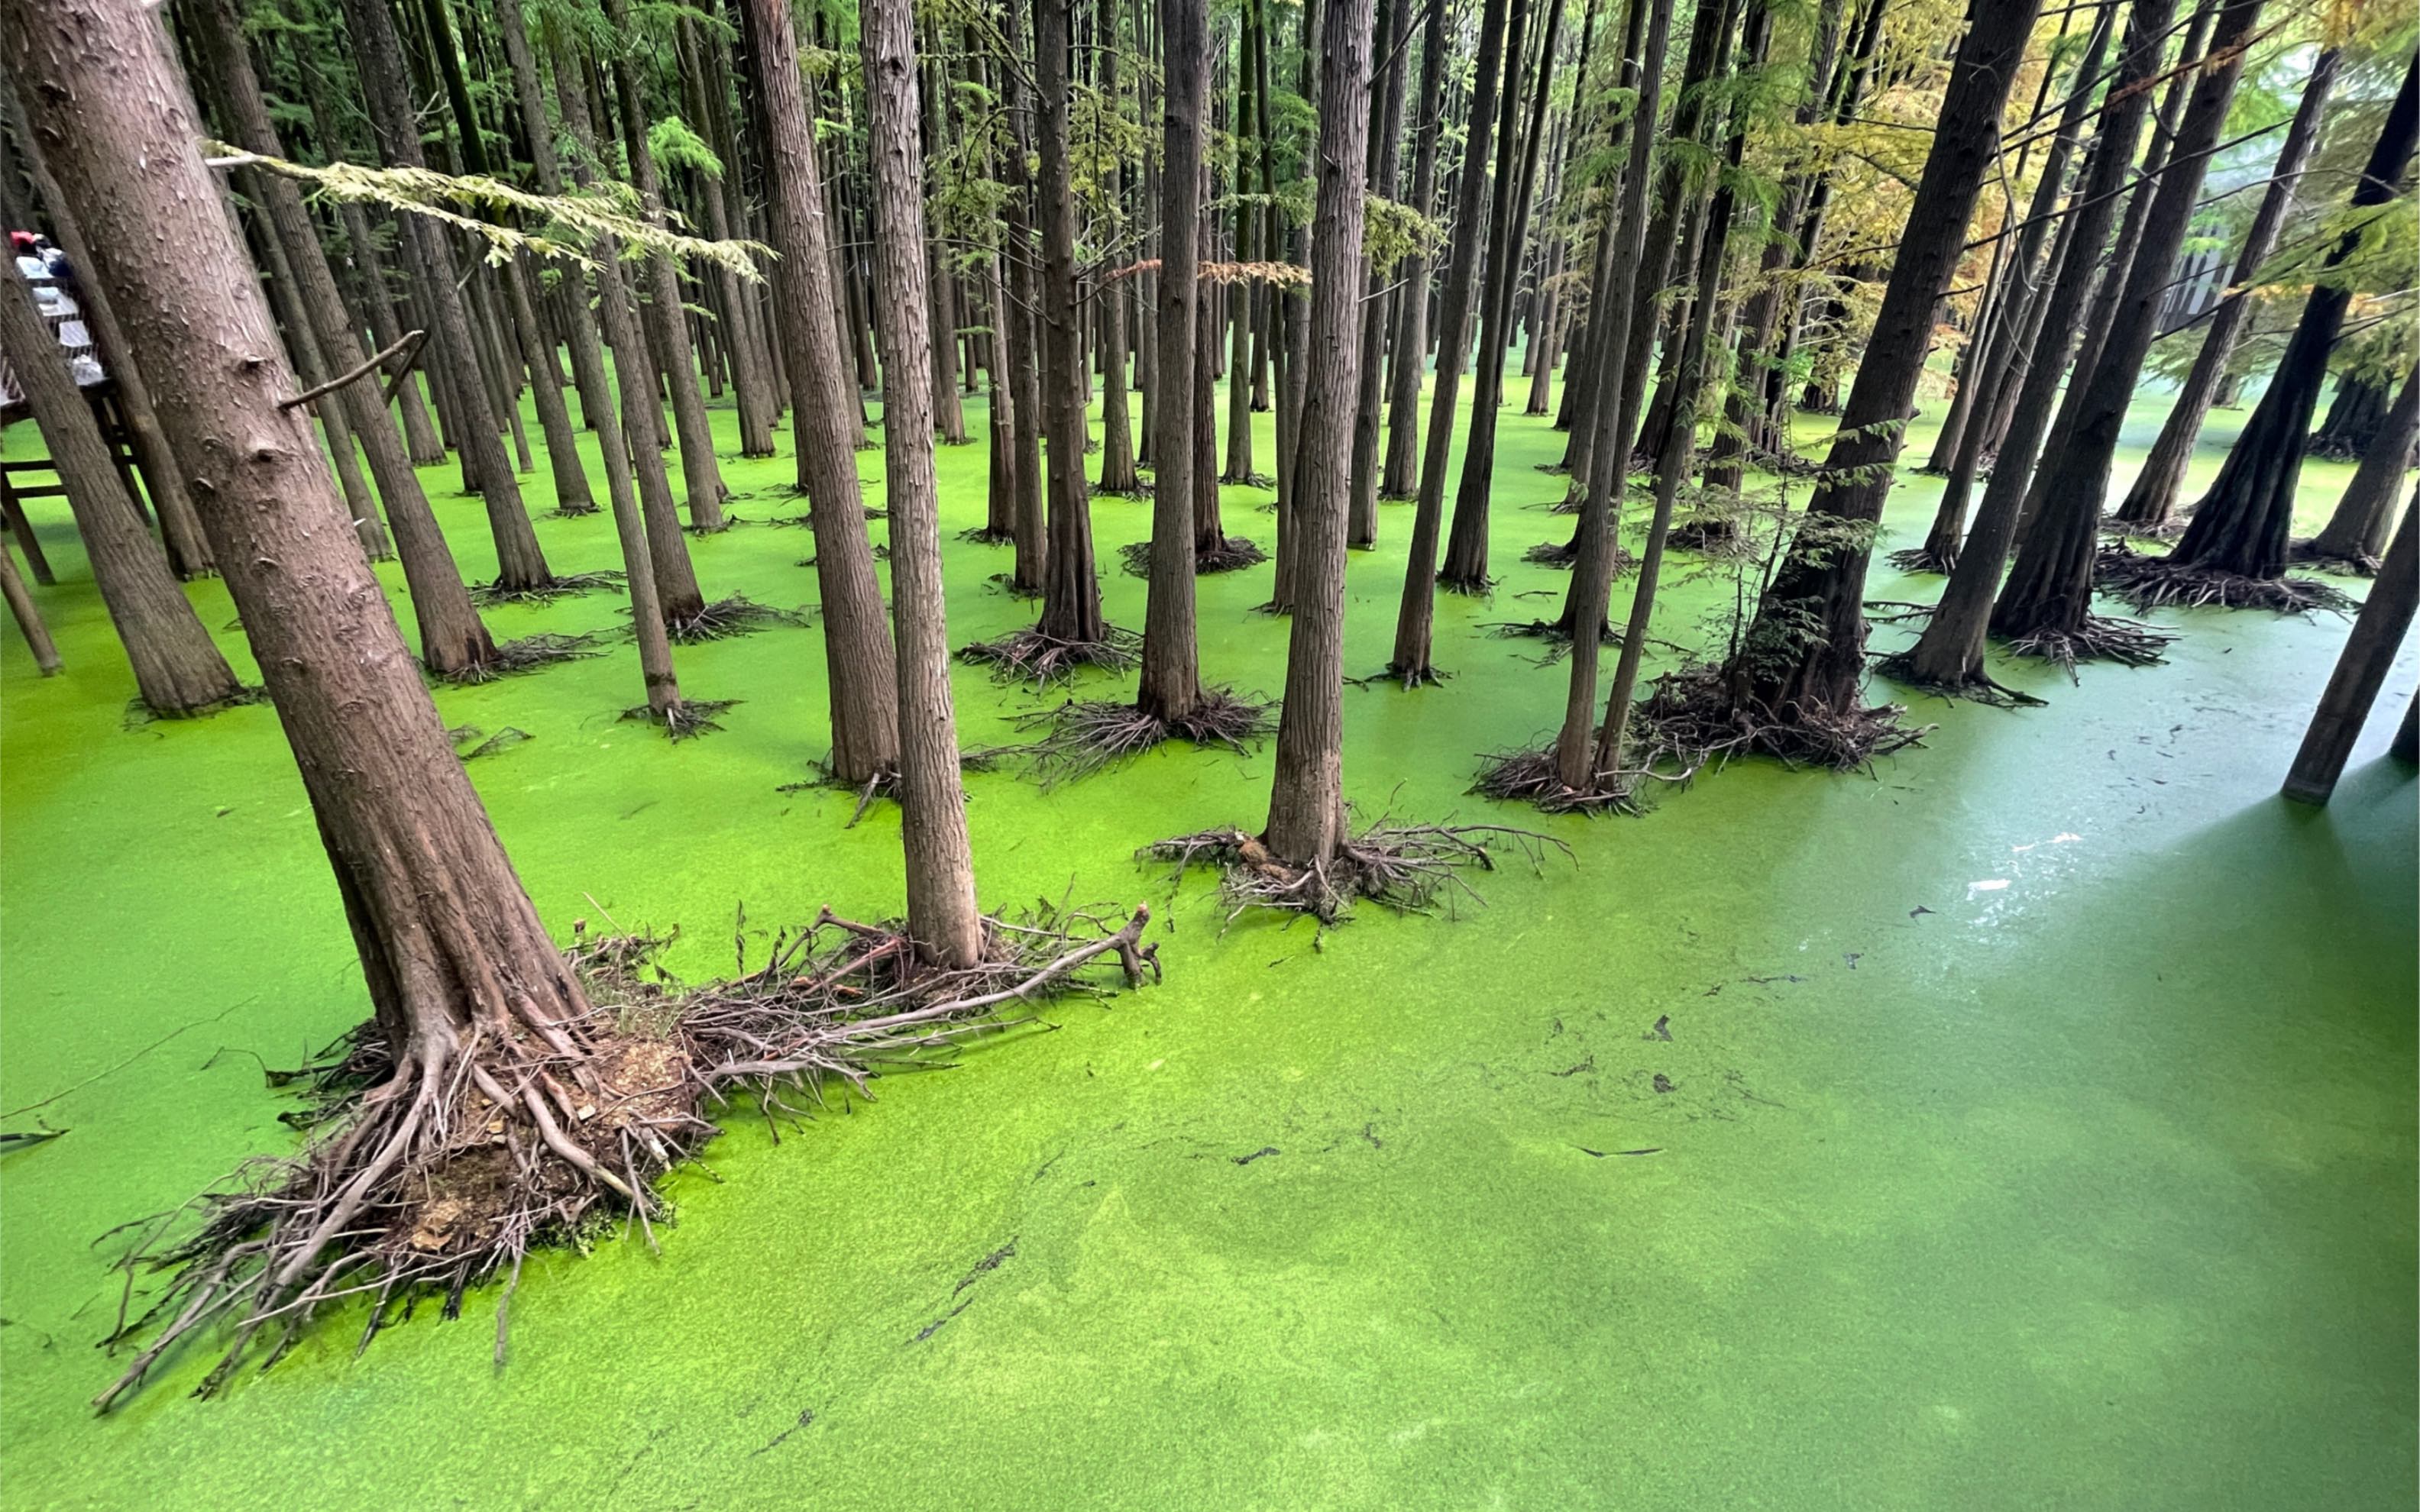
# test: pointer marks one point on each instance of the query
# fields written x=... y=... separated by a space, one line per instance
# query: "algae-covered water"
x=2027 y=1123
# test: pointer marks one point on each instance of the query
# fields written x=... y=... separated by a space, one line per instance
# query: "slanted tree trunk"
x=857 y=648
x=29 y=616
x=667 y=327
x=1387 y=111
x=942 y=917
x=1605 y=406
x=177 y=670
x=1949 y=653
x=680 y=601
x=2049 y=592
x=2360 y=672
x=464 y=982
x=1804 y=657
x=2357 y=530
x=1417 y=617
x=1466 y=555
x=1402 y=480
x=189 y=551
x=2242 y=524
x=520 y=564
x=452 y=642
x=1307 y=818
x=1171 y=674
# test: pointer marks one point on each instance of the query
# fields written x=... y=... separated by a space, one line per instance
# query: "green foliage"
x=673 y=144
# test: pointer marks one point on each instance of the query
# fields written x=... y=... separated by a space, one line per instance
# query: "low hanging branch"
x=578 y=218
x=411 y=339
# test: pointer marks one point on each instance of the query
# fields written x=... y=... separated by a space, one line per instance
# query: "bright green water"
x=2091 y=1186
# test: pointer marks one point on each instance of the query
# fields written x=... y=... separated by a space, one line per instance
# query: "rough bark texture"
x=1402 y=480
x=177 y=670
x=2357 y=530
x=1806 y=652
x=1307 y=818
x=1386 y=111
x=942 y=917
x=1071 y=592
x=447 y=937
x=2361 y=671
x=1415 y=618
x=857 y=648
x=1171 y=676
x=2242 y=524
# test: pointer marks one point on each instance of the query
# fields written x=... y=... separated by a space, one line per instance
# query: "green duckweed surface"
x=2035 y=1126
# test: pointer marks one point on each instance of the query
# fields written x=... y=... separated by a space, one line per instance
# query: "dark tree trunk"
x=1029 y=573
x=1401 y=479
x=2358 y=529
x=2359 y=408
x=1466 y=555
x=1238 y=469
x=857 y=650
x=29 y=616
x=177 y=670
x=520 y=564
x=942 y=917
x=1804 y=657
x=2361 y=671
x=1171 y=674
x=702 y=64
x=1071 y=595
x=2242 y=524
x=1949 y=653
x=1117 y=421
x=1417 y=617
x=1386 y=122
x=1307 y=820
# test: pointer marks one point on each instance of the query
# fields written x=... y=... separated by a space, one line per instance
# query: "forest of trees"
x=335 y=254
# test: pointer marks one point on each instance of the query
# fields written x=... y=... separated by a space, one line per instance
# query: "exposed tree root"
x=1975 y=687
x=1716 y=538
x=980 y=535
x=561 y=586
x=885 y=783
x=1139 y=489
x=2155 y=582
x=728 y=617
x=139 y=714
x=471 y=743
x=434 y=1173
x=1693 y=714
x=1405 y=868
x=1479 y=587
x=686 y=721
x=1032 y=656
x=1554 y=632
x=2359 y=564
x=1232 y=554
x=1249 y=480
x=2099 y=638
x=1408 y=678
x=1925 y=559
x=1897 y=611
x=2167 y=529
x=1083 y=738
x=527 y=655
x=1565 y=555
x=1529 y=777
x=581 y=512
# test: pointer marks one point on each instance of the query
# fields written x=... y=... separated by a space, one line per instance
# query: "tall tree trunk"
x=1029 y=573
x=177 y=670
x=857 y=648
x=702 y=62
x=942 y=917
x=1386 y=123
x=27 y=614
x=520 y=564
x=1804 y=657
x=2360 y=672
x=2050 y=587
x=1071 y=595
x=1949 y=652
x=1416 y=618
x=1171 y=687
x=2242 y=524
x=1307 y=818
x=1239 y=296
x=1402 y=480
x=2357 y=530
x=1117 y=419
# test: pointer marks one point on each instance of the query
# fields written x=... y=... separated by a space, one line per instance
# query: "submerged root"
x=728 y=617
x=1976 y=686
x=527 y=655
x=2358 y=564
x=1404 y=868
x=1232 y=554
x=2125 y=530
x=427 y=1175
x=1925 y=559
x=686 y=720
x=1565 y=555
x=471 y=743
x=1083 y=738
x=980 y=535
x=2157 y=582
x=561 y=586
x=885 y=782
x=1480 y=586
x=2099 y=638
x=1695 y=714
x=1408 y=678
x=1031 y=656
x=573 y=511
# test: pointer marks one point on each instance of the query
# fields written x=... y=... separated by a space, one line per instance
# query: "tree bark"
x=1307 y=818
x=1805 y=654
x=2360 y=672
x=2358 y=529
x=1071 y=594
x=1386 y=112
x=1402 y=480
x=29 y=616
x=942 y=917
x=1171 y=687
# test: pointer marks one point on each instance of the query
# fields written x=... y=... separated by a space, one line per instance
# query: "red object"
x=20 y=241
